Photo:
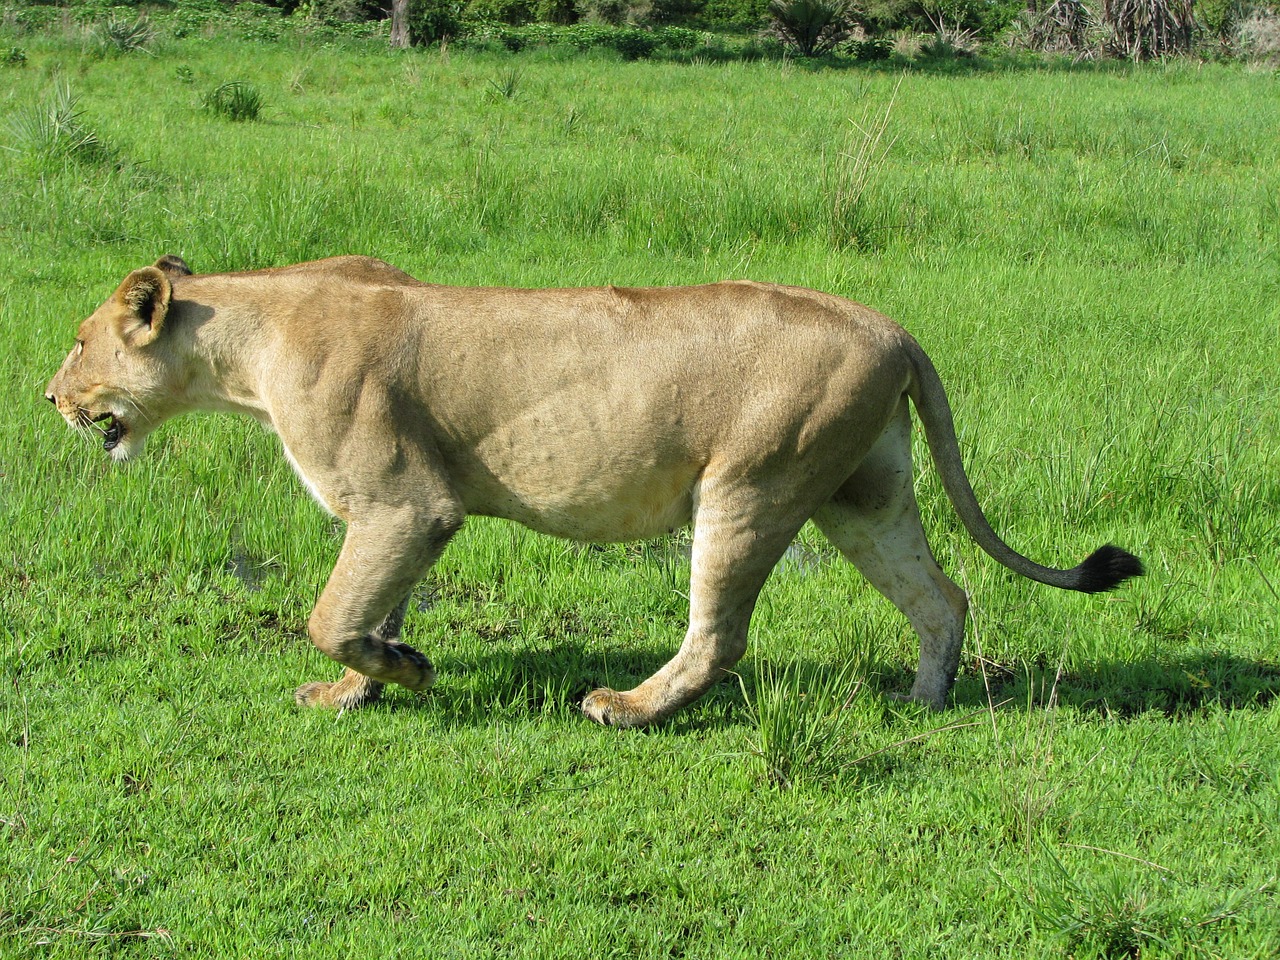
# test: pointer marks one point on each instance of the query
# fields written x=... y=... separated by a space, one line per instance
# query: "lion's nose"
x=51 y=398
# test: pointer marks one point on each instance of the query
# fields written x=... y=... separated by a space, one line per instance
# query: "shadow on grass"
x=546 y=679
x=1176 y=686
x=553 y=679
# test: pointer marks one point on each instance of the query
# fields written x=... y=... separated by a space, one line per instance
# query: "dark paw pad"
x=417 y=670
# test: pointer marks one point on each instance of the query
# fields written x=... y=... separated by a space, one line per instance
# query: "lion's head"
x=119 y=376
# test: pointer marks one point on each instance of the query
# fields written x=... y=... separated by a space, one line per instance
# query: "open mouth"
x=112 y=433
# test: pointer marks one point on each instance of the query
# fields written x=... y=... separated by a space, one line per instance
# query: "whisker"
x=138 y=404
x=85 y=422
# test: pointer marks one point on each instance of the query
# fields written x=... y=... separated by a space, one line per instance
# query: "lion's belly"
x=606 y=466
x=597 y=492
x=601 y=509
x=603 y=522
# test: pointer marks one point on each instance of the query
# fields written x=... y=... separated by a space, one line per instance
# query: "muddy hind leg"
x=873 y=520
x=354 y=689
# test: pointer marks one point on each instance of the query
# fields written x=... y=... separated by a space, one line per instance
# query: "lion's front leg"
x=354 y=689
x=358 y=617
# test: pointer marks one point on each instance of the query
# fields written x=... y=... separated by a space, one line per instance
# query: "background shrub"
x=1218 y=17
x=1062 y=27
x=984 y=19
x=234 y=100
x=676 y=11
x=1145 y=29
x=124 y=34
x=615 y=12
x=1130 y=28
x=339 y=11
x=812 y=27
x=556 y=11
x=1256 y=35
x=881 y=16
x=431 y=21
x=871 y=49
x=632 y=43
x=514 y=12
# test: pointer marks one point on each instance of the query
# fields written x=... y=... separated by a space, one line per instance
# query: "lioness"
x=595 y=414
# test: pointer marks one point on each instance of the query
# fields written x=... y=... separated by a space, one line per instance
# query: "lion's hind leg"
x=874 y=521
x=738 y=537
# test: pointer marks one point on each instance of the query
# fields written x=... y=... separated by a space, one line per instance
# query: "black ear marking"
x=173 y=266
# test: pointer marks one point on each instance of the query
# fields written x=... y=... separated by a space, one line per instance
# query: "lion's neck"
x=226 y=359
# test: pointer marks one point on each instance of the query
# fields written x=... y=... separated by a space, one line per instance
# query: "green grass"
x=1091 y=256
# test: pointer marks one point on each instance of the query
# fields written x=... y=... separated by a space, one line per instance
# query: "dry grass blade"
x=160 y=933
x=1116 y=853
x=963 y=723
x=855 y=170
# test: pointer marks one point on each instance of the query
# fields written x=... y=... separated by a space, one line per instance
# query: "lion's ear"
x=145 y=295
x=173 y=267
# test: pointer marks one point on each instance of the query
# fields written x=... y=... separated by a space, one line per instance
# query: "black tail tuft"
x=1106 y=568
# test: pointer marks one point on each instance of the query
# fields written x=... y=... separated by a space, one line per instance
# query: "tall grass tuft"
x=506 y=85
x=235 y=100
x=1117 y=915
x=854 y=171
x=1026 y=788
x=51 y=132
x=802 y=723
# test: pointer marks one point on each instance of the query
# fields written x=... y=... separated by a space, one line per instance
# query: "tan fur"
x=594 y=414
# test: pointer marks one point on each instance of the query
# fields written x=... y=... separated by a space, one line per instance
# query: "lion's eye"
x=79 y=347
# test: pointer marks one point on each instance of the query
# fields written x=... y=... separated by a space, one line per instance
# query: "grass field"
x=1091 y=256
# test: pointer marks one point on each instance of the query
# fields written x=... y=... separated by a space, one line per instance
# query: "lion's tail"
x=1104 y=569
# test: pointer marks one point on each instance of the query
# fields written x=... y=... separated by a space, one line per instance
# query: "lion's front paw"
x=316 y=694
x=932 y=704
x=415 y=669
x=354 y=690
x=614 y=709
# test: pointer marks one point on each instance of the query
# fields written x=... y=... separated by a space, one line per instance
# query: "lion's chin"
x=120 y=438
x=128 y=446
